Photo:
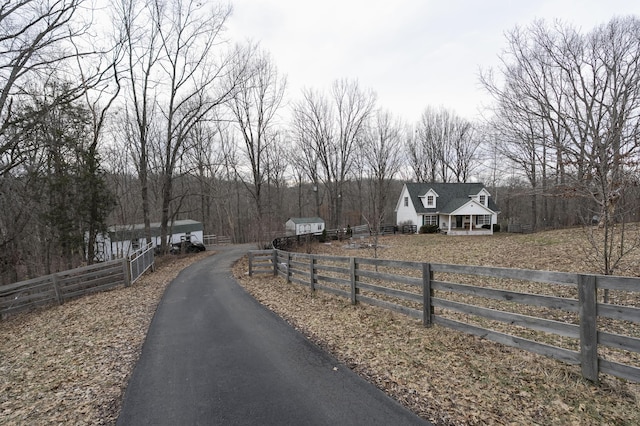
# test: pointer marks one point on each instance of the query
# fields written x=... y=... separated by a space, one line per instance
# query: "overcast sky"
x=412 y=53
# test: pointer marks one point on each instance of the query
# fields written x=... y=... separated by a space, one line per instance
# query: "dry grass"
x=70 y=364
x=446 y=376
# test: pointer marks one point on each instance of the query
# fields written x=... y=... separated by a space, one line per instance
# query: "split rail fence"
x=554 y=314
x=59 y=287
x=214 y=240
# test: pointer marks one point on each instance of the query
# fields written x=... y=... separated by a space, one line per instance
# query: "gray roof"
x=132 y=232
x=451 y=196
x=302 y=220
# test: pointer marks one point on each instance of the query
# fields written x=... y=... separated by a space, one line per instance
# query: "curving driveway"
x=215 y=356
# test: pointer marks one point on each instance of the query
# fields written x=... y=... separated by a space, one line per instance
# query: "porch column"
x=450 y=218
x=470 y=222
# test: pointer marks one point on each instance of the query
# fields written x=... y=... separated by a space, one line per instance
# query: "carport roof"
x=134 y=232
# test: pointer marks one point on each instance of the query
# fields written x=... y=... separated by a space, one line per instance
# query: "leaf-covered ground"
x=443 y=375
x=70 y=364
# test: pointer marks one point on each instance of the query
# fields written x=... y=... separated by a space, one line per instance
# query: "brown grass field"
x=446 y=376
x=70 y=364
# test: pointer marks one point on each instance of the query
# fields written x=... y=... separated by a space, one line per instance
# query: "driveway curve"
x=214 y=356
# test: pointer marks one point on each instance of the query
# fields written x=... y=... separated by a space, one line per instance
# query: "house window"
x=406 y=201
x=483 y=200
x=430 y=201
x=431 y=219
x=483 y=219
x=319 y=227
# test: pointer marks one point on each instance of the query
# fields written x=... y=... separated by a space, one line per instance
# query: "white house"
x=304 y=225
x=456 y=208
x=121 y=240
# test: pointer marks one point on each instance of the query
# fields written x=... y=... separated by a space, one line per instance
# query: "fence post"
x=134 y=266
x=587 y=300
x=427 y=308
x=274 y=260
x=354 y=277
x=125 y=270
x=56 y=289
x=152 y=255
x=288 y=267
x=312 y=271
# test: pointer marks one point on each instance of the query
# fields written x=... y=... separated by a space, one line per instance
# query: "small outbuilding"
x=304 y=225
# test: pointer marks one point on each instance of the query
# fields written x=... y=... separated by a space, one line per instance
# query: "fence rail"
x=59 y=287
x=288 y=242
x=214 y=240
x=140 y=261
x=62 y=286
x=550 y=313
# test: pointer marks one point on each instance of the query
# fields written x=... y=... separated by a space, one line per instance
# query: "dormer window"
x=483 y=200
x=429 y=199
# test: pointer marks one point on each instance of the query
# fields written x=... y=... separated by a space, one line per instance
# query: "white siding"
x=404 y=213
x=290 y=228
x=293 y=228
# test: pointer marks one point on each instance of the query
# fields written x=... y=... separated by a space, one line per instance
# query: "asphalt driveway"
x=214 y=356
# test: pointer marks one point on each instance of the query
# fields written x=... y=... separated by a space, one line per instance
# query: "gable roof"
x=303 y=220
x=451 y=196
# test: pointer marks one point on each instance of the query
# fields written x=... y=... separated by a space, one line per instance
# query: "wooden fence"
x=62 y=286
x=520 y=228
x=214 y=240
x=287 y=242
x=549 y=313
x=56 y=288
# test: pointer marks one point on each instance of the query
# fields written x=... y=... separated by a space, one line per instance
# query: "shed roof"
x=303 y=220
x=136 y=231
x=451 y=196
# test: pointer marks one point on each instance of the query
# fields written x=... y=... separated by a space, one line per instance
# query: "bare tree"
x=277 y=166
x=329 y=131
x=254 y=107
x=206 y=159
x=140 y=33
x=578 y=97
x=40 y=38
x=49 y=60
x=418 y=159
x=178 y=77
x=382 y=160
x=311 y=128
x=443 y=148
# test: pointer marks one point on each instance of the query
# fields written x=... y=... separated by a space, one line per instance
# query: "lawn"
x=446 y=376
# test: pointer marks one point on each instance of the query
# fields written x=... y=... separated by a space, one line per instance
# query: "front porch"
x=466 y=224
x=456 y=231
x=462 y=224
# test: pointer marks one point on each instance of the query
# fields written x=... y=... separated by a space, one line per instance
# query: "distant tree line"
x=159 y=117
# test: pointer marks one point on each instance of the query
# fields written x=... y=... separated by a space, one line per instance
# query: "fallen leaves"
x=70 y=364
x=442 y=375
